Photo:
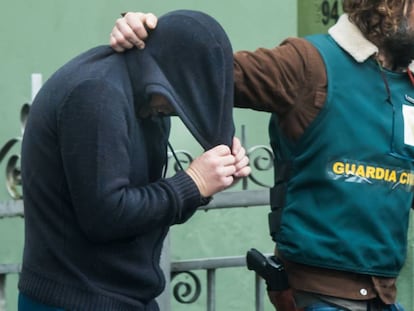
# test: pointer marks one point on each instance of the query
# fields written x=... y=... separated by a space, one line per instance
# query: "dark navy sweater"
x=96 y=206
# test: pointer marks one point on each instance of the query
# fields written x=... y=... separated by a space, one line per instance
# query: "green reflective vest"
x=351 y=175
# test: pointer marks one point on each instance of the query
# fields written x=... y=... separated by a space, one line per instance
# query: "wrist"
x=198 y=180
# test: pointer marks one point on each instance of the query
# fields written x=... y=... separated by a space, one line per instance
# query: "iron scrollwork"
x=260 y=163
x=182 y=159
x=187 y=291
x=13 y=173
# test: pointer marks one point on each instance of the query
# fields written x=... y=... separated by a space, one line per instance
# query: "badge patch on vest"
x=408 y=115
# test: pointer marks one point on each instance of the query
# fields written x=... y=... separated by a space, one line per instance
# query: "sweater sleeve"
x=94 y=127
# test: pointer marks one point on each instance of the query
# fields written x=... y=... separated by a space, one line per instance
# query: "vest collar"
x=350 y=38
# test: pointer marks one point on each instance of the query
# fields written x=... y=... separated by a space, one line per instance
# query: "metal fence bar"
x=208 y=263
x=259 y=291
x=244 y=198
x=228 y=199
x=211 y=265
x=6 y=269
x=12 y=208
x=211 y=290
x=2 y=292
x=164 y=300
x=9 y=268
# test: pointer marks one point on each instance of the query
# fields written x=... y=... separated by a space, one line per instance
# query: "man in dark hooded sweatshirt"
x=97 y=206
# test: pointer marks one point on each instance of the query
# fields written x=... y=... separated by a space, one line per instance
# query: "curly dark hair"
x=377 y=19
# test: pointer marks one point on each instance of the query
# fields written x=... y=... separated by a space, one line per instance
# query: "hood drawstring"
x=176 y=160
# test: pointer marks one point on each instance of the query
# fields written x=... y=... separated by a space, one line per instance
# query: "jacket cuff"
x=187 y=195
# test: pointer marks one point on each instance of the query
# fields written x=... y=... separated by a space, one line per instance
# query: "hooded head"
x=188 y=59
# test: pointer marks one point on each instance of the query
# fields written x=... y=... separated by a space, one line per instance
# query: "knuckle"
x=119 y=22
x=129 y=36
x=139 y=28
x=122 y=41
x=133 y=15
x=228 y=181
x=113 y=43
x=125 y=38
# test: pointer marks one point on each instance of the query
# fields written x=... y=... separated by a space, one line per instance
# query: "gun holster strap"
x=283 y=171
x=278 y=197
x=275 y=218
x=278 y=192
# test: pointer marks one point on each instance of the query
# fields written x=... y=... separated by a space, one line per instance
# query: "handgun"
x=269 y=268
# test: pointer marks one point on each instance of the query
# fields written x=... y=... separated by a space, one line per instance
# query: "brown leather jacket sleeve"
x=289 y=80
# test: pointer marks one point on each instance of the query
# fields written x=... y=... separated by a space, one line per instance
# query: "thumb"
x=151 y=21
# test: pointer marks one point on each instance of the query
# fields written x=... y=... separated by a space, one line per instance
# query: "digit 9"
x=329 y=12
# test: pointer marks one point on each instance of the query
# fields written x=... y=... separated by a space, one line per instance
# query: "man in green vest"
x=342 y=131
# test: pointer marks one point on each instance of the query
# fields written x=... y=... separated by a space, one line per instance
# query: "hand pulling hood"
x=188 y=58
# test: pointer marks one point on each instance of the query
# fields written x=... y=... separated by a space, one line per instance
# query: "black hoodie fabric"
x=188 y=59
x=96 y=206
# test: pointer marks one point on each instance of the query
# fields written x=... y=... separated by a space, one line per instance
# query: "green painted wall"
x=315 y=16
x=39 y=36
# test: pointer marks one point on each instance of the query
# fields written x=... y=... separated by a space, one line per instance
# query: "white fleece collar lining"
x=350 y=38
